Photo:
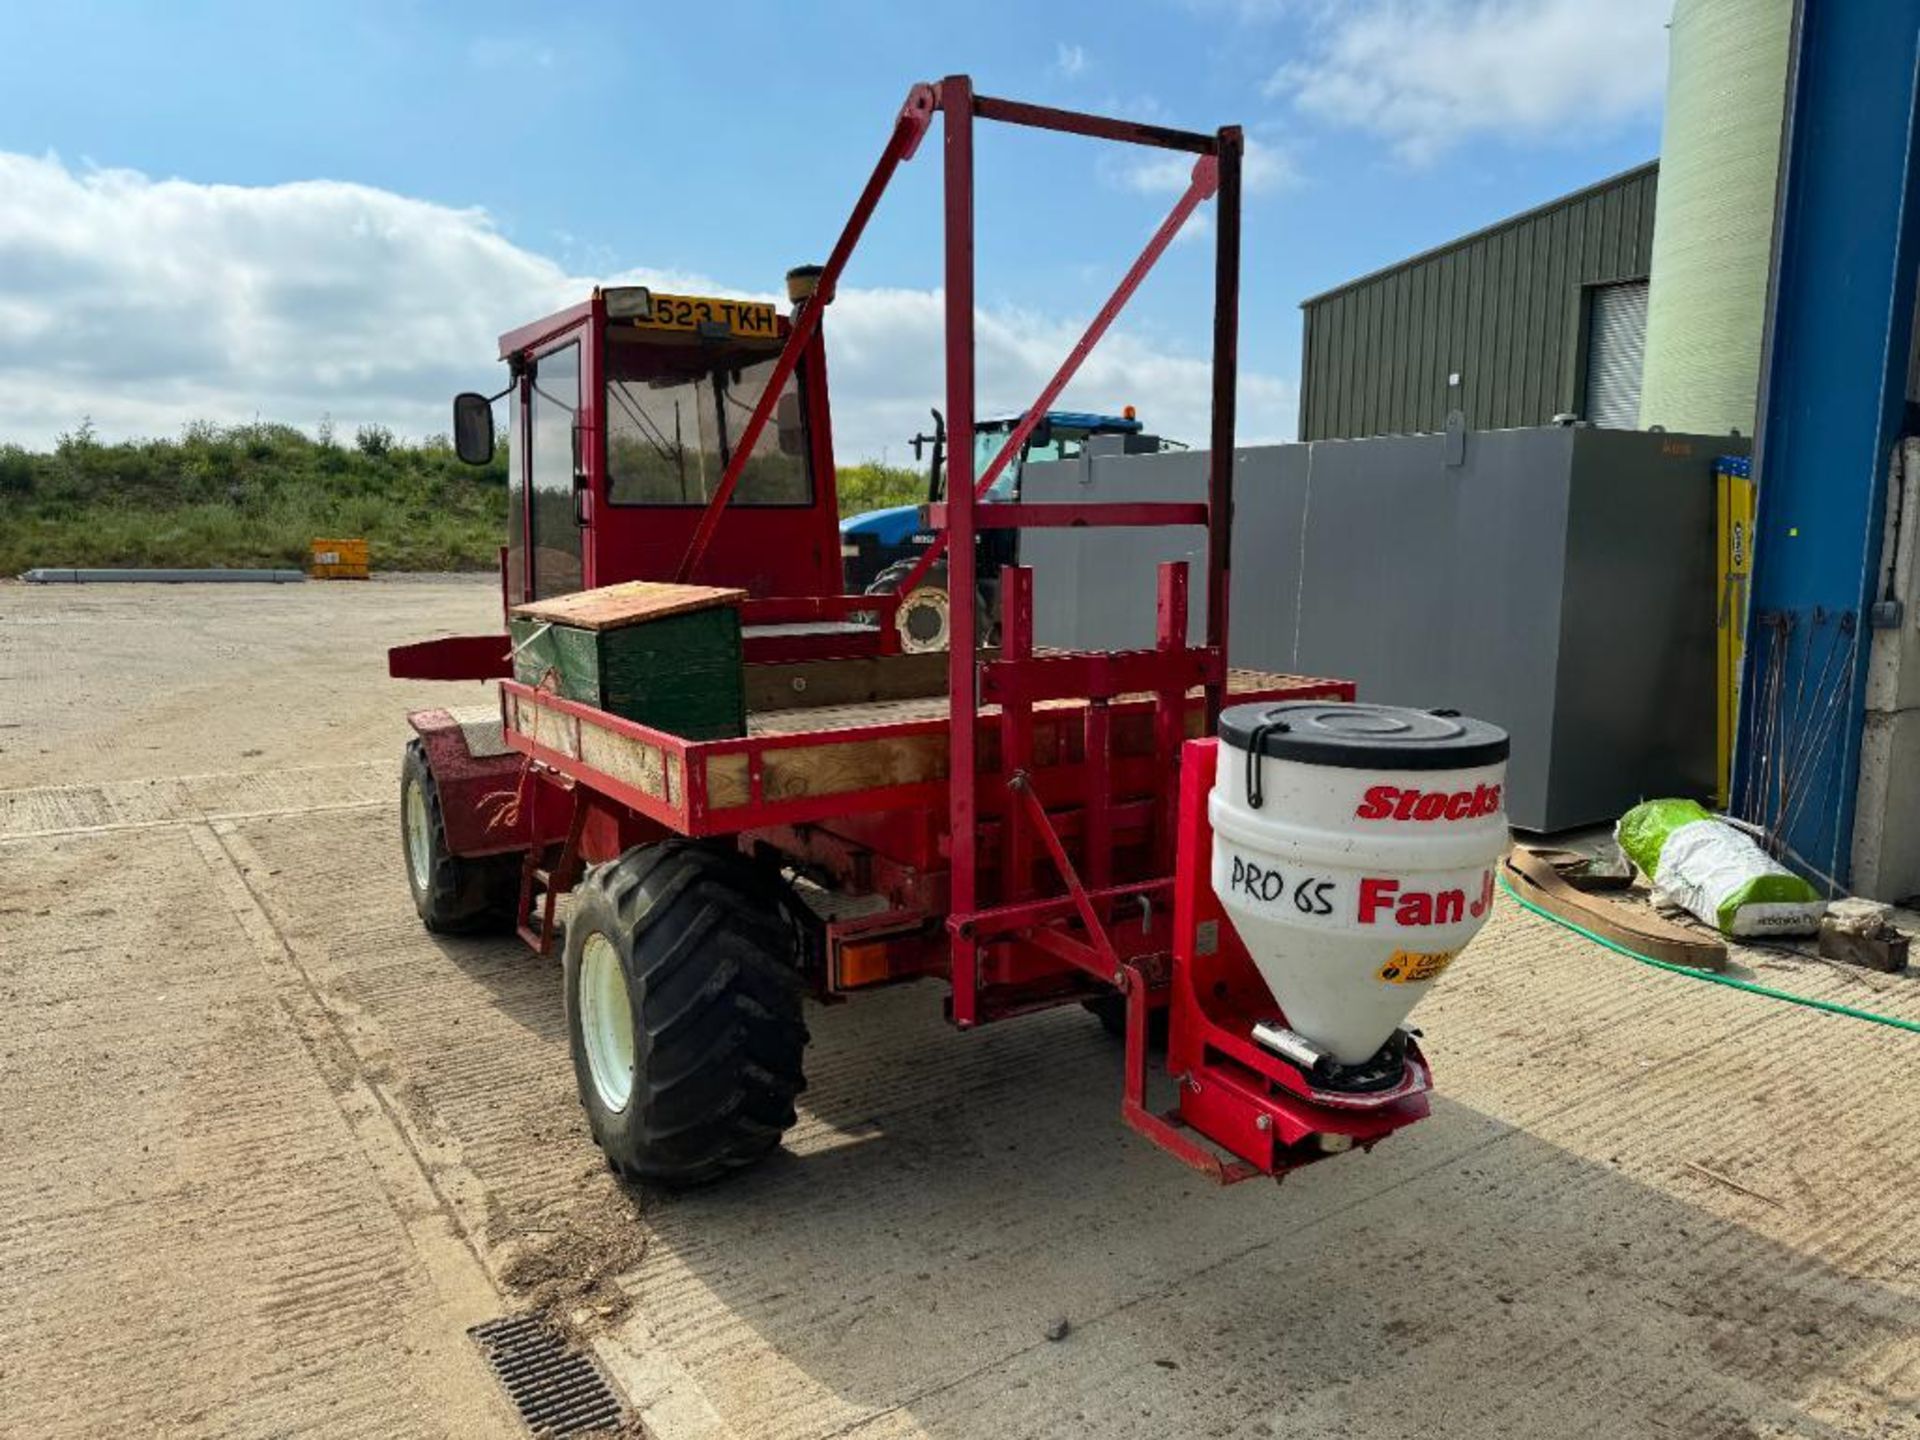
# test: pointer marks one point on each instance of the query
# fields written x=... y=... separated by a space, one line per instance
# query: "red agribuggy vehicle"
x=1028 y=827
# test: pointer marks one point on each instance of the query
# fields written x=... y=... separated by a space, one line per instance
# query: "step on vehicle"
x=701 y=741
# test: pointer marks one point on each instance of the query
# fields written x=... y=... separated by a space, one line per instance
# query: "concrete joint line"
x=198 y=818
x=376 y=1121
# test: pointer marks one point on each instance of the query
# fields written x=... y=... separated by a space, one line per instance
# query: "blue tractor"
x=879 y=548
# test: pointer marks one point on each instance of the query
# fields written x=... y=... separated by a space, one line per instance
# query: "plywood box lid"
x=612 y=606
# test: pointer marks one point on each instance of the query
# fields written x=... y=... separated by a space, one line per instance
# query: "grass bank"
x=259 y=494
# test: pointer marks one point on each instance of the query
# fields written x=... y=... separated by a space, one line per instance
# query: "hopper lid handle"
x=1256 y=747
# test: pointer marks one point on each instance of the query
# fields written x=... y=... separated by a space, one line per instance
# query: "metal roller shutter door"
x=1616 y=345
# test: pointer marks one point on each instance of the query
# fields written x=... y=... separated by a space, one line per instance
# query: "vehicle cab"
x=622 y=414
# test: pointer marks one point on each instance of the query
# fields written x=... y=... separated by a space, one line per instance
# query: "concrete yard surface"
x=268 y=1149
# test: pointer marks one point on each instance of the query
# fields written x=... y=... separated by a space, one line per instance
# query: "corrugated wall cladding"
x=1503 y=308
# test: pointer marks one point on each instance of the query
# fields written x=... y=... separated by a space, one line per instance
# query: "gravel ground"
x=268 y=1149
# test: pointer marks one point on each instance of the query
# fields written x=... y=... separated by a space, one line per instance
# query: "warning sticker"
x=1408 y=967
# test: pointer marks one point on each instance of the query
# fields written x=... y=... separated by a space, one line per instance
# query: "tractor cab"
x=881 y=549
x=1061 y=435
x=622 y=415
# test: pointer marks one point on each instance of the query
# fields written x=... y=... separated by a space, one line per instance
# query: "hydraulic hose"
x=1830 y=1006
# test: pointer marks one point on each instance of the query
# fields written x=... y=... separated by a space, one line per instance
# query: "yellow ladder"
x=1733 y=484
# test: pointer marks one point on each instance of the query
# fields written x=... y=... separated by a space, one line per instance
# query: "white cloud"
x=880 y=341
x=1427 y=74
x=1069 y=61
x=147 y=304
x=1199 y=227
x=1264 y=168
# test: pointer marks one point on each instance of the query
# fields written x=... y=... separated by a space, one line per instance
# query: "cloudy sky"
x=289 y=211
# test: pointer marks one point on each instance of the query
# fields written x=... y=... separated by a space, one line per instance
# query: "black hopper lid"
x=1358 y=736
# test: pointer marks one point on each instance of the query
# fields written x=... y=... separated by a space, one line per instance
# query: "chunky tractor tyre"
x=1111 y=1011
x=683 y=995
x=455 y=894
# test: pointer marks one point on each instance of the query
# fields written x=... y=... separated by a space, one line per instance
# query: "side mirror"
x=473 y=427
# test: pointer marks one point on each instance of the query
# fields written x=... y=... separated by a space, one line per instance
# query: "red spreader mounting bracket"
x=1263 y=1110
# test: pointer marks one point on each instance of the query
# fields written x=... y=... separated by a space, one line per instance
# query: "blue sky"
x=723 y=143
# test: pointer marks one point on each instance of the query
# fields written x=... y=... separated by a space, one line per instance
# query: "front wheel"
x=454 y=894
x=683 y=998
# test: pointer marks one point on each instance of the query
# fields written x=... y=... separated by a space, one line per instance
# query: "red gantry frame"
x=1044 y=840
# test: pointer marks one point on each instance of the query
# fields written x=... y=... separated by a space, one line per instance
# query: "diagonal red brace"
x=1050 y=838
x=1132 y=982
x=1206 y=180
x=915 y=116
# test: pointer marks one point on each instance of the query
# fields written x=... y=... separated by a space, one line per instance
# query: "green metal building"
x=1540 y=315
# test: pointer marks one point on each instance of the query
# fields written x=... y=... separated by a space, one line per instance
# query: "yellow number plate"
x=746 y=319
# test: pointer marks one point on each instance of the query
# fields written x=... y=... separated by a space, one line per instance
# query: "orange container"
x=338 y=560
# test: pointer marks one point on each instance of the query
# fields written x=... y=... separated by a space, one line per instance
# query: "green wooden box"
x=679 y=673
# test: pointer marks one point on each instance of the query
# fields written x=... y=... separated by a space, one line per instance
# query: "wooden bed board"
x=855 y=680
x=866 y=762
x=842 y=704
x=836 y=767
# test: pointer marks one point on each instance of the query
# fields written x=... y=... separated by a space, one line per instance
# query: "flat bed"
x=829 y=738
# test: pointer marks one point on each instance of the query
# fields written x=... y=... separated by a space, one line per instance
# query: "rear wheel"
x=454 y=894
x=683 y=995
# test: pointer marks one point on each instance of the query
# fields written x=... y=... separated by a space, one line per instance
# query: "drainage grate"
x=557 y=1390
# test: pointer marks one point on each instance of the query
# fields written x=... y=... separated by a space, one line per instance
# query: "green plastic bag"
x=1643 y=830
x=1716 y=872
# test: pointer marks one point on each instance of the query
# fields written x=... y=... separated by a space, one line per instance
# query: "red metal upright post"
x=1016 y=728
x=1170 y=705
x=1096 y=826
x=1226 y=359
x=956 y=104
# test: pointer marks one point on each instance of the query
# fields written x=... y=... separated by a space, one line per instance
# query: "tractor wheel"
x=683 y=994
x=455 y=894
x=1111 y=1011
x=925 y=617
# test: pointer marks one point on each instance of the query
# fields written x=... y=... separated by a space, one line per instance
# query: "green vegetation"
x=874 y=487
x=259 y=494
x=247 y=495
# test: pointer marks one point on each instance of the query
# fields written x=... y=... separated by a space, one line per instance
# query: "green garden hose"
x=1829 y=1006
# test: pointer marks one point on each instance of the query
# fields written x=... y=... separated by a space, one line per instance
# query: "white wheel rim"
x=606 y=1022
x=419 y=836
x=928 y=600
